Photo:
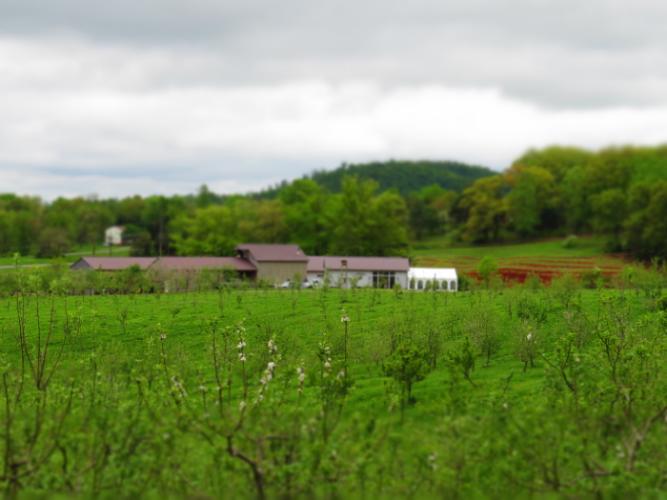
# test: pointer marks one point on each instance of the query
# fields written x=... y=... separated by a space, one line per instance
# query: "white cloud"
x=80 y=116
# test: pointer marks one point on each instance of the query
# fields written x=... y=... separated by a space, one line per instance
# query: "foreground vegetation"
x=379 y=393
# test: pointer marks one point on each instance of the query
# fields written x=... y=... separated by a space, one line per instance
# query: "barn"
x=274 y=263
x=433 y=278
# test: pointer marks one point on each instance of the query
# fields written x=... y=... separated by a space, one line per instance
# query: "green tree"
x=207 y=231
x=609 y=211
x=366 y=224
x=532 y=201
x=53 y=242
x=484 y=210
x=487 y=269
x=407 y=365
x=645 y=229
x=307 y=209
x=557 y=160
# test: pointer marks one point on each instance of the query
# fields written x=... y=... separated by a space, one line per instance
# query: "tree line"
x=620 y=193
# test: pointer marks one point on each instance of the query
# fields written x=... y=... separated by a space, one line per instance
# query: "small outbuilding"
x=433 y=278
x=113 y=236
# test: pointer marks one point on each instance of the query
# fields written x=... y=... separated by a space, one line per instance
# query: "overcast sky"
x=160 y=96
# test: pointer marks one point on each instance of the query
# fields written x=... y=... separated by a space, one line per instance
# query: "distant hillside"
x=406 y=176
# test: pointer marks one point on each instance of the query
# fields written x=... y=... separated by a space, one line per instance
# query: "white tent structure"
x=433 y=278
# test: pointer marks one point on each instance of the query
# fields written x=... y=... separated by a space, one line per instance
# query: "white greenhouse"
x=433 y=278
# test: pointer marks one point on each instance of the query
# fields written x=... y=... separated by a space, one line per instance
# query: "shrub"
x=406 y=366
x=570 y=242
x=487 y=269
x=481 y=328
x=592 y=279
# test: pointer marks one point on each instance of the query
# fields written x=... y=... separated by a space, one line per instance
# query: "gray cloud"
x=556 y=53
x=161 y=96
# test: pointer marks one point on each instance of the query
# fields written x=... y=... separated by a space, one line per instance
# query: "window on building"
x=384 y=279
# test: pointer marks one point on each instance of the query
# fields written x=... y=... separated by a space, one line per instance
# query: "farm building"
x=438 y=278
x=241 y=266
x=280 y=263
x=274 y=263
x=379 y=272
x=112 y=263
x=113 y=236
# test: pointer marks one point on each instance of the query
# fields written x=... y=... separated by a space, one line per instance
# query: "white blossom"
x=301 y=374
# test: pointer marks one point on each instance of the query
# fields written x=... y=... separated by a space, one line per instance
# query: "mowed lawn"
x=74 y=255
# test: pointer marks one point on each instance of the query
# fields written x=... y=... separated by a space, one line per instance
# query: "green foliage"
x=53 y=242
x=224 y=394
x=570 y=241
x=462 y=360
x=481 y=326
x=617 y=194
x=407 y=365
x=405 y=176
x=487 y=269
x=483 y=210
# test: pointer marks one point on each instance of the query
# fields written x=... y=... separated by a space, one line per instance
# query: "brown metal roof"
x=336 y=263
x=274 y=253
x=181 y=263
x=113 y=263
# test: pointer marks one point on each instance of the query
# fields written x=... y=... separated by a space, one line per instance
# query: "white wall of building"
x=113 y=236
x=438 y=278
x=345 y=279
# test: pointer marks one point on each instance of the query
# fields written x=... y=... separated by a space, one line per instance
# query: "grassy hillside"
x=546 y=257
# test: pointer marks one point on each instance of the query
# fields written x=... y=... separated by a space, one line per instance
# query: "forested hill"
x=405 y=176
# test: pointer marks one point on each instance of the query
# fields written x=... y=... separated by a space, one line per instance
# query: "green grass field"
x=439 y=248
x=74 y=255
x=148 y=396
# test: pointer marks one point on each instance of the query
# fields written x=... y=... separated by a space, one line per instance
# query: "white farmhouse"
x=433 y=278
x=113 y=236
x=345 y=272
